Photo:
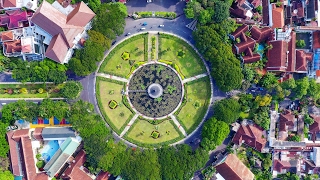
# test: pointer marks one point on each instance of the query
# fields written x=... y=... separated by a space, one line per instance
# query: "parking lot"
x=156 y=5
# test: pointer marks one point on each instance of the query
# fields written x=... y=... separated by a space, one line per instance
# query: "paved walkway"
x=194 y=78
x=178 y=125
x=134 y=118
x=109 y=76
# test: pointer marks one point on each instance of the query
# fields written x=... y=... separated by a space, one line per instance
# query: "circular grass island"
x=155 y=90
x=153 y=94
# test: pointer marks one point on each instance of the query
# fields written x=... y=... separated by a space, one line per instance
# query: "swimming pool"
x=49 y=149
x=260 y=49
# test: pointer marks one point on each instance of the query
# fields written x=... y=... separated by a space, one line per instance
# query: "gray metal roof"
x=59 y=132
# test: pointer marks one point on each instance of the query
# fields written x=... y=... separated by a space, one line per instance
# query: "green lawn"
x=141 y=132
x=198 y=92
x=115 y=65
x=118 y=117
x=49 y=90
x=190 y=64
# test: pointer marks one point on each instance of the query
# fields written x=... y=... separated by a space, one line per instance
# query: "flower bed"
x=155 y=134
x=113 y=104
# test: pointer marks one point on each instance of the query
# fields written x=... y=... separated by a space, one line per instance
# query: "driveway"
x=156 y=5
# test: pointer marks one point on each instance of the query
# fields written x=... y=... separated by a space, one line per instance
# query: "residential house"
x=295 y=13
x=284 y=57
x=61 y=28
x=76 y=170
x=103 y=175
x=277 y=16
x=231 y=168
x=61 y=157
x=246 y=44
x=314 y=129
x=251 y=135
x=22 y=156
x=287 y=123
x=286 y=161
x=58 y=133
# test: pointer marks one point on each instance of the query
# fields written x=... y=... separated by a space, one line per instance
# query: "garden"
x=178 y=52
x=125 y=57
x=195 y=104
x=144 y=133
x=111 y=104
x=159 y=14
x=167 y=79
x=30 y=90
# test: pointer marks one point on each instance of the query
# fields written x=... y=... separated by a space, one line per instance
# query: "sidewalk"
x=194 y=78
x=134 y=118
x=174 y=119
x=109 y=76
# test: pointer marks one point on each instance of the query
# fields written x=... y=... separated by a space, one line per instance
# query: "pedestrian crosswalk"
x=192 y=25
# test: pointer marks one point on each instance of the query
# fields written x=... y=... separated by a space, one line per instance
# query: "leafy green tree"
x=314 y=89
x=205 y=16
x=193 y=9
x=98 y=38
x=269 y=81
x=289 y=84
x=57 y=76
x=227 y=110
x=302 y=87
x=308 y=119
x=4 y=147
x=110 y=19
x=300 y=43
x=248 y=73
x=76 y=66
x=7 y=175
x=215 y=131
x=295 y=138
x=261 y=117
x=47 y=108
x=221 y=11
x=71 y=90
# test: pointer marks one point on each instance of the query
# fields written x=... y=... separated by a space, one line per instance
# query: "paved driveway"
x=157 y=5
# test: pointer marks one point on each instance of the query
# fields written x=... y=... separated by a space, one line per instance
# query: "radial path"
x=109 y=76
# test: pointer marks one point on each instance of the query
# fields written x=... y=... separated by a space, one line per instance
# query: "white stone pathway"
x=134 y=118
x=194 y=78
x=176 y=122
x=109 y=76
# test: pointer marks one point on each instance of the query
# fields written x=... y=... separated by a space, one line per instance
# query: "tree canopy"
x=215 y=132
x=227 y=110
x=71 y=89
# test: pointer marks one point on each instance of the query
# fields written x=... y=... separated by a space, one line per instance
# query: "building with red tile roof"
x=37 y=133
x=65 y=30
x=261 y=34
x=287 y=122
x=316 y=39
x=14 y=19
x=251 y=135
x=302 y=60
x=76 y=170
x=232 y=168
x=21 y=154
x=314 y=129
x=277 y=17
x=277 y=56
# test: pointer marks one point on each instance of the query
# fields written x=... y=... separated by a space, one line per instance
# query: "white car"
x=142 y=29
x=161 y=25
x=149 y=1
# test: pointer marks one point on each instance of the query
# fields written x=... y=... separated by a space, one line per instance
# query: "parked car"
x=128 y=34
x=161 y=25
x=144 y=24
x=9 y=128
x=142 y=29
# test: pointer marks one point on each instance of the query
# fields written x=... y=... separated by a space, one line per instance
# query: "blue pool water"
x=49 y=150
x=260 y=49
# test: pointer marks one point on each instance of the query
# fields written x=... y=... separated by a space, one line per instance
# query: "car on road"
x=161 y=25
x=149 y=1
x=142 y=29
x=144 y=24
x=128 y=34
x=113 y=43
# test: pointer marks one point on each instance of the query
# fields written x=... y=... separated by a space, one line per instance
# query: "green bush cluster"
x=146 y=47
x=175 y=67
x=160 y=14
x=113 y=104
x=153 y=49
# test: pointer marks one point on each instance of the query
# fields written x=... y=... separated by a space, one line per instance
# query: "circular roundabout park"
x=153 y=89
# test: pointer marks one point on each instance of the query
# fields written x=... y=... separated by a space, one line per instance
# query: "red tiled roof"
x=103 y=175
x=252 y=136
x=237 y=11
x=316 y=39
x=239 y=30
x=9 y=3
x=12 y=46
x=277 y=17
x=42 y=176
x=255 y=3
x=292 y=53
x=26 y=154
x=6 y=36
x=57 y=49
x=13 y=19
x=81 y=15
x=302 y=60
x=242 y=46
x=286 y=119
x=261 y=34
x=318 y=73
x=277 y=56
x=279 y=165
x=74 y=171
x=233 y=169
x=315 y=127
x=265 y=12
x=37 y=133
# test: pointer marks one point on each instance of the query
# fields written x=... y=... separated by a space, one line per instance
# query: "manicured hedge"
x=160 y=14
